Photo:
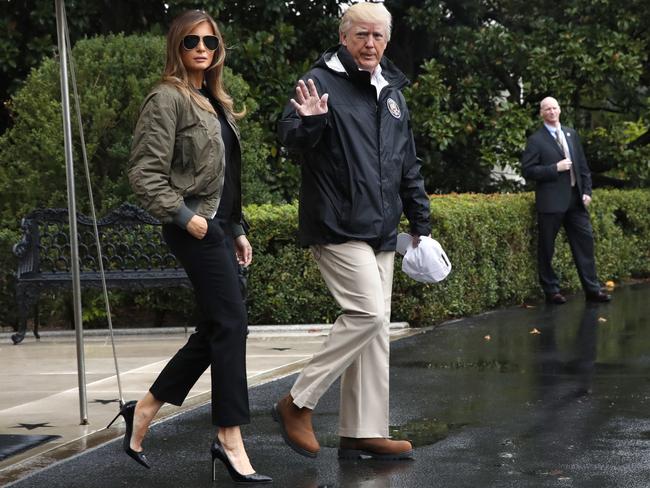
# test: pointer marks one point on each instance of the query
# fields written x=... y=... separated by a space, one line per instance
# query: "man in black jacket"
x=359 y=172
x=555 y=160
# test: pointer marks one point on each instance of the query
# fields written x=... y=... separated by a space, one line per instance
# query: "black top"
x=228 y=196
x=226 y=204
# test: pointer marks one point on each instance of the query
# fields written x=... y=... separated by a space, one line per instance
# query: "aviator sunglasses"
x=211 y=43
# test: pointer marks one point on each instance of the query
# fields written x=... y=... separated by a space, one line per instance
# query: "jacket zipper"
x=381 y=172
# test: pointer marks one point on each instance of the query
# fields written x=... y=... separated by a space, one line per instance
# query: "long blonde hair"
x=176 y=74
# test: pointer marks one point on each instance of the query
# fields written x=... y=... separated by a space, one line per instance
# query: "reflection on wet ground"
x=559 y=389
x=420 y=432
x=548 y=396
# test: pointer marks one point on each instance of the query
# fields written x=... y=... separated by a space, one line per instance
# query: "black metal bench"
x=134 y=254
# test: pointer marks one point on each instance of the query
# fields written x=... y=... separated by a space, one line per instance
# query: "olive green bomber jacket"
x=177 y=155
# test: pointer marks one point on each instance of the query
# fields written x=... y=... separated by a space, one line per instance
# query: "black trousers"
x=220 y=337
x=580 y=235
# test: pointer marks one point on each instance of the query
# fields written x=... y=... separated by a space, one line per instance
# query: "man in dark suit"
x=555 y=160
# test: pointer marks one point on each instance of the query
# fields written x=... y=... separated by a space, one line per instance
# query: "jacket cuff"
x=310 y=121
x=183 y=216
x=420 y=229
x=237 y=230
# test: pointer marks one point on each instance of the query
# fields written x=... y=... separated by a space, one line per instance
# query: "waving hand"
x=307 y=101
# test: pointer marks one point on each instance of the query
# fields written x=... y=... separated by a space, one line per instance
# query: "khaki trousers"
x=357 y=348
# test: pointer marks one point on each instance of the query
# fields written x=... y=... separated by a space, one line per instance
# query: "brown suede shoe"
x=374 y=448
x=296 y=428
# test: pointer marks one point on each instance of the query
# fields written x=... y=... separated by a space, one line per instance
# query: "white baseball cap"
x=426 y=263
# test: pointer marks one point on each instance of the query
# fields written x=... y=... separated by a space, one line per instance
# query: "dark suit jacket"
x=553 y=189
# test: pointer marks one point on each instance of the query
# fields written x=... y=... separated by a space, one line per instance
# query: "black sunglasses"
x=211 y=43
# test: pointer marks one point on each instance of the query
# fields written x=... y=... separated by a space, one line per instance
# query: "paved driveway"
x=525 y=397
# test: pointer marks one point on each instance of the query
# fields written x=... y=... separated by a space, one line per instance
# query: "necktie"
x=560 y=142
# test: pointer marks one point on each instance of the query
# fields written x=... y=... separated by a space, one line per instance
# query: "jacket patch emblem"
x=393 y=108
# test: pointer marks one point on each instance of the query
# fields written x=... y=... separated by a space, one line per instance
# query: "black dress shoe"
x=128 y=412
x=598 y=296
x=555 y=298
x=217 y=451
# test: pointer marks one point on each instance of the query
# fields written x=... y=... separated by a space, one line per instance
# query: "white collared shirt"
x=376 y=78
x=553 y=131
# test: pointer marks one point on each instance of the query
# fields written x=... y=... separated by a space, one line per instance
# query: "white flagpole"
x=72 y=213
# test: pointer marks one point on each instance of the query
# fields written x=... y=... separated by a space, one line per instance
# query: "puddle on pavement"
x=481 y=365
x=421 y=432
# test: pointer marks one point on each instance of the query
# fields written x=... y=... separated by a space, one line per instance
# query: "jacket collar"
x=389 y=71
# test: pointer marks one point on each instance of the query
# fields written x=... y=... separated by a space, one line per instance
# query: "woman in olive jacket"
x=185 y=167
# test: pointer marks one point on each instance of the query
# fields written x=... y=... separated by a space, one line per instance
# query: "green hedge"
x=490 y=240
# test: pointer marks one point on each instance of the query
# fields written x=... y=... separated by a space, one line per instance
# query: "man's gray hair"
x=374 y=13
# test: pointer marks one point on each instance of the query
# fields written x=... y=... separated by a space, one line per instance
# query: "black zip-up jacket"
x=358 y=164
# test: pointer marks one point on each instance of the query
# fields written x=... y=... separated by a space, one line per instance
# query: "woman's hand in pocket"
x=197 y=227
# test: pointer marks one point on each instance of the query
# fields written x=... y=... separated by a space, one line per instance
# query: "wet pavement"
x=549 y=396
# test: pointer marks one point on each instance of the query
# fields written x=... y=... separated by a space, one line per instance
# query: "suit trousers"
x=579 y=233
x=357 y=348
x=220 y=337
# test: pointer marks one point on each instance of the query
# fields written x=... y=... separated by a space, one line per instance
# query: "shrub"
x=490 y=240
x=114 y=73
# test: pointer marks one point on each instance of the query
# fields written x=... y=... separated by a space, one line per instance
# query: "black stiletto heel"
x=127 y=412
x=218 y=453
